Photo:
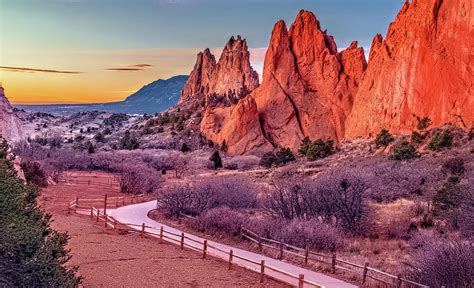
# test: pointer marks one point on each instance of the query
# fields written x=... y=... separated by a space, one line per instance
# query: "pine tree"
x=216 y=159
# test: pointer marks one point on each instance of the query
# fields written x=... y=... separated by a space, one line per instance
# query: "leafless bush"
x=138 y=180
x=444 y=263
x=175 y=200
x=242 y=162
x=312 y=234
x=400 y=229
x=265 y=226
x=301 y=233
x=196 y=199
x=285 y=201
x=176 y=161
x=222 y=219
x=336 y=197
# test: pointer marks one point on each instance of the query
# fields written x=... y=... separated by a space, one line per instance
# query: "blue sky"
x=57 y=34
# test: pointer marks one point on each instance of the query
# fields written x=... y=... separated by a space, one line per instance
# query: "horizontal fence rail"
x=365 y=271
x=107 y=202
x=202 y=246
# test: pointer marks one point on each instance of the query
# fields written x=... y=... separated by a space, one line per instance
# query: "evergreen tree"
x=32 y=254
x=216 y=159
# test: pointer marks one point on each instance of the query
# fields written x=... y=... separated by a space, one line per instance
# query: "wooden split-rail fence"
x=111 y=183
x=364 y=271
x=200 y=246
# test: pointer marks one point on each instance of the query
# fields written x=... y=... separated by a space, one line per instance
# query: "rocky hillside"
x=9 y=124
x=310 y=89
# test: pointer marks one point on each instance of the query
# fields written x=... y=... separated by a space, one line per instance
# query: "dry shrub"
x=243 y=162
x=222 y=219
x=439 y=263
x=197 y=198
x=312 y=234
x=336 y=197
x=400 y=229
x=301 y=233
x=138 y=180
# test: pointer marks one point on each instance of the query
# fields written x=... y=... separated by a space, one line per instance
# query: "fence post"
x=231 y=256
x=105 y=204
x=262 y=270
x=115 y=224
x=399 y=281
x=260 y=243
x=364 y=273
x=306 y=255
x=92 y=212
x=89 y=182
x=333 y=263
x=301 y=281
x=106 y=220
x=77 y=202
x=204 y=250
x=161 y=233
x=143 y=229
x=97 y=219
x=182 y=240
x=281 y=250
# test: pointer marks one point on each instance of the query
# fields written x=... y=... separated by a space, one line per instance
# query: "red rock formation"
x=220 y=86
x=232 y=76
x=9 y=124
x=308 y=87
x=424 y=67
x=233 y=72
x=200 y=78
x=237 y=126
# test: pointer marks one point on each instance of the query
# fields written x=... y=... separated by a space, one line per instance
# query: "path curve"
x=138 y=214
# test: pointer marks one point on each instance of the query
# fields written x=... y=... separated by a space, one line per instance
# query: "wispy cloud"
x=141 y=65
x=133 y=67
x=123 y=69
x=34 y=70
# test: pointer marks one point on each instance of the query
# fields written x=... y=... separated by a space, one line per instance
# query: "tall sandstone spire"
x=424 y=67
x=221 y=86
x=307 y=90
x=231 y=76
x=308 y=86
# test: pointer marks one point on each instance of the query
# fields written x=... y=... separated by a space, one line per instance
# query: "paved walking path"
x=138 y=214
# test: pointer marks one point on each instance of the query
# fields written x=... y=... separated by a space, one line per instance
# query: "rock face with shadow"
x=423 y=67
x=9 y=124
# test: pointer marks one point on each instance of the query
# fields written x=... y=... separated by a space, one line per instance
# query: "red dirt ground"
x=107 y=259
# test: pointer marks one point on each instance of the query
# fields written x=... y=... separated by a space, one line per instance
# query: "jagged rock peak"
x=308 y=87
x=200 y=78
x=232 y=76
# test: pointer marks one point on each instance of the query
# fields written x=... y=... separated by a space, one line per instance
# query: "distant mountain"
x=152 y=98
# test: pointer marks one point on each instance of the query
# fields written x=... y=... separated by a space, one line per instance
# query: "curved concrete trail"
x=138 y=214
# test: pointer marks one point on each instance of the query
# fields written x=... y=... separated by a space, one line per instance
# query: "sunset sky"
x=77 y=51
